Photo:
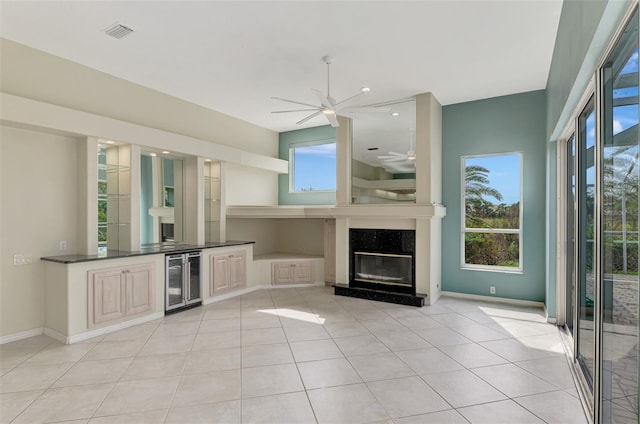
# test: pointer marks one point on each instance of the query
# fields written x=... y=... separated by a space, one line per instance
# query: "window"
x=312 y=167
x=492 y=212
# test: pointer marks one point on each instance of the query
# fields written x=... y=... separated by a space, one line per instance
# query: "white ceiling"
x=233 y=56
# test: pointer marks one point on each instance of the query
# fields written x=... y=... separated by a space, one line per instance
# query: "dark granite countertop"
x=150 y=249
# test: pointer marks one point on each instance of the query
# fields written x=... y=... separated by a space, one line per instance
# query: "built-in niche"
x=384 y=158
x=161 y=199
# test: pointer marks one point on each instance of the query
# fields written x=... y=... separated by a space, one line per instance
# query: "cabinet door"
x=220 y=274
x=106 y=299
x=238 y=269
x=303 y=272
x=139 y=289
x=282 y=273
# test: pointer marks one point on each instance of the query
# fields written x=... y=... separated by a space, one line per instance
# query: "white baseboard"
x=141 y=320
x=21 y=335
x=231 y=295
x=101 y=331
x=550 y=320
x=506 y=300
x=250 y=289
x=56 y=336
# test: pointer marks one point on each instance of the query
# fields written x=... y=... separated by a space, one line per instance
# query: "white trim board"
x=101 y=331
x=246 y=290
x=30 y=113
x=494 y=299
x=21 y=335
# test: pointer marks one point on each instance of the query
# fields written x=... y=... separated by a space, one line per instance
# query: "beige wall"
x=301 y=236
x=250 y=186
x=38 y=187
x=33 y=74
x=281 y=235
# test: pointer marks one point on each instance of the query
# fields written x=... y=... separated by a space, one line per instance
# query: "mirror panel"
x=383 y=154
x=161 y=204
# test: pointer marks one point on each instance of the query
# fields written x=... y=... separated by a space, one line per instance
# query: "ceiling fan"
x=329 y=107
x=402 y=157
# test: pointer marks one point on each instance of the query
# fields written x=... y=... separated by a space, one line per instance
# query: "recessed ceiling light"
x=165 y=152
x=207 y=160
x=365 y=89
x=395 y=114
x=328 y=111
x=153 y=155
x=110 y=142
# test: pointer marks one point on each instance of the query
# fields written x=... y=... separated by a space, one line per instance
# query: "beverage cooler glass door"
x=175 y=274
x=193 y=281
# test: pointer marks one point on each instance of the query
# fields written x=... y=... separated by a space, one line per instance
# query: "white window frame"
x=292 y=148
x=465 y=230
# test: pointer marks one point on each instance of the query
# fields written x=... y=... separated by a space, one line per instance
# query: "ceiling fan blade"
x=365 y=109
x=313 y=115
x=293 y=101
x=293 y=110
x=332 y=119
x=323 y=99
x=398 y=159
x=397 y=154
x=348 y=99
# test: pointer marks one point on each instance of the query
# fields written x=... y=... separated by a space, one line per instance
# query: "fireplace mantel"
x=382 y=211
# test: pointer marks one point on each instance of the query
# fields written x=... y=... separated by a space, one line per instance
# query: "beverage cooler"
x=182 y=281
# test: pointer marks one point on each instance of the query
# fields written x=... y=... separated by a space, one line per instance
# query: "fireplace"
x=382 y=259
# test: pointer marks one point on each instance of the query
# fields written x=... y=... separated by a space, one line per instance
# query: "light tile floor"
x=301 y=355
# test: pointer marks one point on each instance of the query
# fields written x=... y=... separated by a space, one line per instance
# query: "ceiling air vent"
x=118 y=31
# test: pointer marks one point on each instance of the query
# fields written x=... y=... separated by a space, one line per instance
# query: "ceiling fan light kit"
x=329 y=107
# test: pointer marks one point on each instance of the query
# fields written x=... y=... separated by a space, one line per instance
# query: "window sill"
x=501 y=270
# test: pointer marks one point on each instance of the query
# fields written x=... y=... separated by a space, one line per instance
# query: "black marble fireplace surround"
x=382 y=260
x=382 y=266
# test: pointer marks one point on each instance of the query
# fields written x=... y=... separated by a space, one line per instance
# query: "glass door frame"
x=592 y=398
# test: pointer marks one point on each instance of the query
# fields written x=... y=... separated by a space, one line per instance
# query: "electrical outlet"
x=492 y=290
x=63 y=245
x=22 y=259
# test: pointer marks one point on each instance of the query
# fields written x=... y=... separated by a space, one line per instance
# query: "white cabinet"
x=138 y=293
x=228 y=272
x=116 y=293
x=291 y=272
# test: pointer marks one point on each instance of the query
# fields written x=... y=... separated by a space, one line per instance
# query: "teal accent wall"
x=578 y=23
x=515 y=123
x=584 y=31
x=146 y=200
x=288 y=138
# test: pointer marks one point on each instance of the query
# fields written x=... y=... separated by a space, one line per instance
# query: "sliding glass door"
x=585 y=252
x=571 y=211
x=602 y=235
x=619 y=230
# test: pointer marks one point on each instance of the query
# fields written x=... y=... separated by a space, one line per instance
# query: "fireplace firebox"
x=382 y=259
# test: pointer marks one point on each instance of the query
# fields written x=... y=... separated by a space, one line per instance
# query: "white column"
x=343 y=162
x=429 y=192
x=88 y=196
x=428 y=150
x=342 y=250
